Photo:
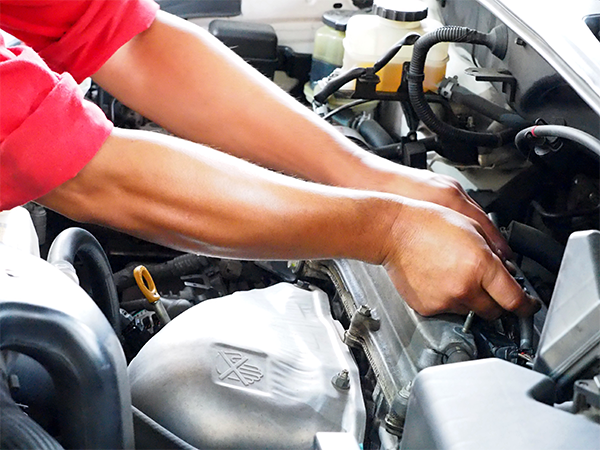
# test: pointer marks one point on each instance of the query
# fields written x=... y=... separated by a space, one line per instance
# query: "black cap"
x=338 y=18
x=401 y=10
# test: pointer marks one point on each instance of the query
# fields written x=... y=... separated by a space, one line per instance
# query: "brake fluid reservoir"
x=328 y=53
x=369 y=37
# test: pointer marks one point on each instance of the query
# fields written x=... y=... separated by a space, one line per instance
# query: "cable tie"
x=415 y=77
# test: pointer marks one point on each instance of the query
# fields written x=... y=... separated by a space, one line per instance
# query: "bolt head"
x=341 y=380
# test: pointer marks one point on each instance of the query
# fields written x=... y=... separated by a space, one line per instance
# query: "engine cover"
x=250 y=370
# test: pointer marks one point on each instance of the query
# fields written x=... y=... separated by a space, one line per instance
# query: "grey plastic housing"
x=45 y=315
x=570 y=341
x=491 y=404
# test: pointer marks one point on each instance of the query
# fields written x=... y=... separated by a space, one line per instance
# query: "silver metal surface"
x=405 y=342
x=250 y=370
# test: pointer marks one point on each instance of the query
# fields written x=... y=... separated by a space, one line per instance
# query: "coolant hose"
x=374 y=134
x=464 y=96
x=558 y=131
x=536 y=245
x=77 y=242
x=416 y=76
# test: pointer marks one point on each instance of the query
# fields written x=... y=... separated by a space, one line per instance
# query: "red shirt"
x=48 y=132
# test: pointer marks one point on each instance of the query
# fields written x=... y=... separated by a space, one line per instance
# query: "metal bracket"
x=509 y=83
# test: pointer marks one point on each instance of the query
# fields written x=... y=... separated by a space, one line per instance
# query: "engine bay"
x=109 y=341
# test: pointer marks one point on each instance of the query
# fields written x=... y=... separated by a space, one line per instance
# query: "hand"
x=444 y=191
x=439 y=261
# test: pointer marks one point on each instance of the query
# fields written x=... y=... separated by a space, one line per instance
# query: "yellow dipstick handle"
x=146 y=283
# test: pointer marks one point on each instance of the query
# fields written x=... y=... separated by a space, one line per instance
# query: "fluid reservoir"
x=328 y=53
x=369 y=37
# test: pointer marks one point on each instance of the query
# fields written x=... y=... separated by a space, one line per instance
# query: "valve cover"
x=250 y=370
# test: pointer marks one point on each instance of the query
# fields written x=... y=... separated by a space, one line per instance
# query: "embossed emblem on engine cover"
x=237 y=367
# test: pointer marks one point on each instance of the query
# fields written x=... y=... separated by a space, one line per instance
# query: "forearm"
x=178 y=75
x=189 y=197
x=193 y=198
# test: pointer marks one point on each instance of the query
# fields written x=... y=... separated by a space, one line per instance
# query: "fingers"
x=469 y=207
x=506 y=292
x=493 y=236
x=486 y=307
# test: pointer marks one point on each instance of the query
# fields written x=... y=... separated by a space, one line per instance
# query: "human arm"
x=193 y=198
x=180 y=76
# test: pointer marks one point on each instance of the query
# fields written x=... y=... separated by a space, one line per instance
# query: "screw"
x=341 y=380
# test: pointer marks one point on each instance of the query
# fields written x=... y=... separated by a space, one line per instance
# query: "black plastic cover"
x=255 y=42
x=491 y=404
x=338 y=18
x=189 y=9
x=411 y=11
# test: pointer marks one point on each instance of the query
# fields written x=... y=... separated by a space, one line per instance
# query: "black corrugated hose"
x=181 y=265
x=17 y=429
x=417 y=96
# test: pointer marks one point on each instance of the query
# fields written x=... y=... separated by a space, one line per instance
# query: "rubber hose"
x=77 y=242
x=526 y=334
x=536 y=245
x=417 y=96
x=181 y=265
x=464 y=96
x=336 y=84
x=587 y=141
x=17 y=429
x=374 y=134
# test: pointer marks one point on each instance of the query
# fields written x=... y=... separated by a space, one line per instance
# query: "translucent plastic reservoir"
x=369 y=37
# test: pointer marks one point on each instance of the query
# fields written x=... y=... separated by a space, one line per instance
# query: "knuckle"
x=460 y=288
x=513 y=303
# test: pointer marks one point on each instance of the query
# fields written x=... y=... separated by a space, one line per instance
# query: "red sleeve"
x=48 y=132
x=76 y=36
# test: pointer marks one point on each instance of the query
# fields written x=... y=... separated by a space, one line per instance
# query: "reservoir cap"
x=338 y=18
x=401 y=10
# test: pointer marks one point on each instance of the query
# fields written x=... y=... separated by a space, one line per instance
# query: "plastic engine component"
x=256 y=369
x=570 y=341
x=255 y=42
x=491 y=404
x=45 y=315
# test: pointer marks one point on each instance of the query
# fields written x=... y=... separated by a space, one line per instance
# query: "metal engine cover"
x=250 y=370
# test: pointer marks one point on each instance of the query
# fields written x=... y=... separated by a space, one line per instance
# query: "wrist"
x=382 y=218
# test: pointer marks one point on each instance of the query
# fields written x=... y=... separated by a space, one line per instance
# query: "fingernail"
x=512 y=269
x=537 y=304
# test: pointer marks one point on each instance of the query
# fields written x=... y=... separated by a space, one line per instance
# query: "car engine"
x=109 y=341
